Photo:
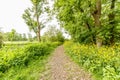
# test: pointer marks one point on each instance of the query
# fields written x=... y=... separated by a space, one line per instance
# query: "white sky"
x=11 y=15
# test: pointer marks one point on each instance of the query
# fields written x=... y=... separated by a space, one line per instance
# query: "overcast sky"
x=11 y=15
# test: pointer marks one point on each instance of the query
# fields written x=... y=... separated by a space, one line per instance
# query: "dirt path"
x=60 y=67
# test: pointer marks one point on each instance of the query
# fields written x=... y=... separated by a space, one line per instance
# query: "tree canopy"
x=53 y=35
x=96 y=21
x=32 y=16
x=13 y=35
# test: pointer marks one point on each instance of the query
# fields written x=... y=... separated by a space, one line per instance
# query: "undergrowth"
x=103 y=63
x=24 y=62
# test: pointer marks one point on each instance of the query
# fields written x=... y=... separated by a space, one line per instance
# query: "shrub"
x=34 y=51
x=103 y=63
x=13 y=56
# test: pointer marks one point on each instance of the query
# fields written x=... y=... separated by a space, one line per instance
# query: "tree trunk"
x=112 y=22
x=38 y=25
x=38 y=35
x=96 y=14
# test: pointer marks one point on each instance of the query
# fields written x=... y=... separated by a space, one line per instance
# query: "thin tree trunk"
x=39 y=39
x=96 y=15
x=38 y=25
x=112 y=22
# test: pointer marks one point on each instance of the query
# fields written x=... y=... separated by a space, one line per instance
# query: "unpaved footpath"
x=61 y=67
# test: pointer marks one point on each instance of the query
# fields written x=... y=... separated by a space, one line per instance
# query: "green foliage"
x=27 y=16
x=37 y=50
x=31 y=72
x=24 y=37
x=53 y=35
x=14 y=36
x=22 y=56
x=30 y=37
x=103 y=63
x=32 y=15
x=76 y=16
x=72 y=19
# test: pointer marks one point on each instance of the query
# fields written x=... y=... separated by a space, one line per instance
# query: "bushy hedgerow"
x=14 y=55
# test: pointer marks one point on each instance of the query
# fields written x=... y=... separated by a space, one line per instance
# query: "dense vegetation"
x=94 y=26
x=53 y=35
x=14 y=36
x=95 y=21
x=103 y=63
x=32 y=17
x=24 y=62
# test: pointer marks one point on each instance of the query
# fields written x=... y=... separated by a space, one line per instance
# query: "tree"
x=90 y=20
x=32 y=15
x=30 y=37
x=18 y=37
x=53 y=34
x=24 y=37
x=112 y=22
x=97 y=15
x=12 y=35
